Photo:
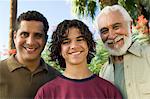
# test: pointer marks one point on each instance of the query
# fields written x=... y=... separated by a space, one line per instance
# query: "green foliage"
x=45 y=56
x=131 y=6
x=84 y=7
x=91 y=8
x=140 y=37
x=88 y=8
x=100 y=58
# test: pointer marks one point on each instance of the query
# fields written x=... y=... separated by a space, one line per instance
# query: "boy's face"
x=29 y=40
x=74 y=48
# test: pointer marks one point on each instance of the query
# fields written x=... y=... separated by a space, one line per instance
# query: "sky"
x=54 y=10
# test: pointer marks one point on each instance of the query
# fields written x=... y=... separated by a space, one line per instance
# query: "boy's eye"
x=24 y=34
x=65 y=41
x=80 y=39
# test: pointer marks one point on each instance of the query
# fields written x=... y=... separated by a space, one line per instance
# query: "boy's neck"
x=77 y=73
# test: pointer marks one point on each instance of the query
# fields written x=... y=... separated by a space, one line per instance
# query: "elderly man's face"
x=114 y=31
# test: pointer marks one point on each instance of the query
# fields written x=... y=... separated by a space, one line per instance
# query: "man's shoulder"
x=145 y=47
x=139 y=49
x=105 y=83
x=3 y=62
x=3 y=66
x=52 y=69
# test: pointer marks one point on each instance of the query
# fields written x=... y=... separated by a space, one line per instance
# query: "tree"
x=13 y=14
x=100 y=58
x=84 y=7
x=134 y=7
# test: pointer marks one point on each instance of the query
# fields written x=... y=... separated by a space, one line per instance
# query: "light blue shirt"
x=119 y=79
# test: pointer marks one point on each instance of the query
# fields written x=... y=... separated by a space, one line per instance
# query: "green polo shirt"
x=17 y=82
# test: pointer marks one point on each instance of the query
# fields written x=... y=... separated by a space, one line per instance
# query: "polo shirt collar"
x=135 y=49
x=13 y=64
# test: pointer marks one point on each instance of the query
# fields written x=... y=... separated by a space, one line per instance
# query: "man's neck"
x=30 y=64
x=117 y=59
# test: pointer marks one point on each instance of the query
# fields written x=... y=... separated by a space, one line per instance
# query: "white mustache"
x=115 y=40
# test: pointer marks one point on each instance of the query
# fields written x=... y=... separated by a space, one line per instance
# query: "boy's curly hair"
x=57 y=38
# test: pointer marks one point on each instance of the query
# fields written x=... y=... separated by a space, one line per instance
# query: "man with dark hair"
x=24 y=72
x=73 y=47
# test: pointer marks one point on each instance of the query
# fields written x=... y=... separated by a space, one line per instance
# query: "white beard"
x=122 y=50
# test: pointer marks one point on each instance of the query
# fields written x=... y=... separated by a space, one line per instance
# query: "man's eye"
x=116 y=27
x=104 y=31
x=38 y=35
x=24 y=34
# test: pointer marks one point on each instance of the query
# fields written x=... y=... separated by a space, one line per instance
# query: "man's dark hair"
x=58 y=35
x=32 y=15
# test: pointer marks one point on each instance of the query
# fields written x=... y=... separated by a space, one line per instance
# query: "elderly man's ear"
x=131 y=26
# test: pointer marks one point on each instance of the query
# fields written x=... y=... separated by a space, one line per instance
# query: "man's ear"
x=131 y=26
x=46 y=37
x=14 y=35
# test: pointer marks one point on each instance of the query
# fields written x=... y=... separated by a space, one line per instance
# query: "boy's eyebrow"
x=80 y=36
x=64 y=38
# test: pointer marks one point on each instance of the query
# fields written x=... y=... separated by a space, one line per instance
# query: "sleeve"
x=40 y=94
x=114 y=92
x=45 y=92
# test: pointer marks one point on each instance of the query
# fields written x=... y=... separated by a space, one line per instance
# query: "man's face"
x=115 y=33
x=29 y=40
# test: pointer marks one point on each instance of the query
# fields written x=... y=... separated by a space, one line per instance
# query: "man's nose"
x=30 y=40
x=111 y=34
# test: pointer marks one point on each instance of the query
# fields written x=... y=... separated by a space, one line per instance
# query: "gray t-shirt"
x=120 y=79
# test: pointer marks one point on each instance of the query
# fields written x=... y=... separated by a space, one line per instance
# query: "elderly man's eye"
x=104 y=31
x=116 y=27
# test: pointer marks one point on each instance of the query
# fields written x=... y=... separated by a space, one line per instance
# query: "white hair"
x=114 y=8
x=128 y=40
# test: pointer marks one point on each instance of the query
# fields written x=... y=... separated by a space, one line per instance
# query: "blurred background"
x=58 y=10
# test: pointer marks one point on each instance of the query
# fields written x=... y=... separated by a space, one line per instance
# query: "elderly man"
x=129 y=63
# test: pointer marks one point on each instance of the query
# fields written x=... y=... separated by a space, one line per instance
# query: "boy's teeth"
x=76 y=53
